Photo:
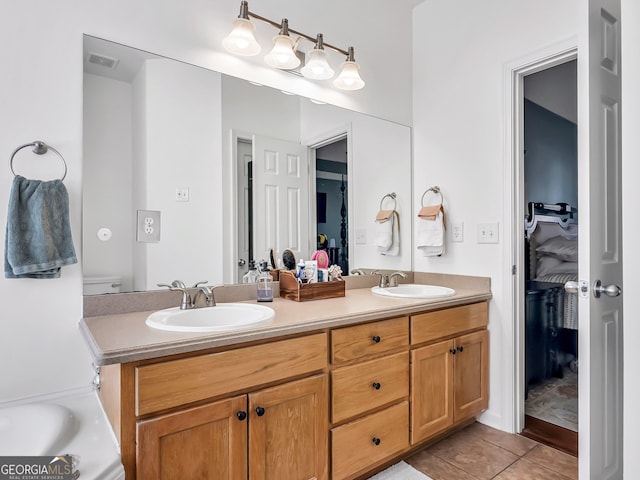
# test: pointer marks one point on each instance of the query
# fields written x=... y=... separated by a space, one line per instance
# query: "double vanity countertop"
x=116 y=331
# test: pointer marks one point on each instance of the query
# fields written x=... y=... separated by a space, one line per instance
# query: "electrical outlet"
x=182 y=194
x=148 y=226
x=488 y=232
x=361 y=236
x=457 y=230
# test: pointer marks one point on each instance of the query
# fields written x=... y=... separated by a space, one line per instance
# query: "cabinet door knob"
x=376 y=339
x=376 y=385
x=241 y=415
x=460 y=348
x=260 y=411
x=452 y=351
x=375 y=440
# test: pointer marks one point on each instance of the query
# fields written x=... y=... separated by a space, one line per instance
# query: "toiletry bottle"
x=265 y=284
x=301 y=274
x=252 y=275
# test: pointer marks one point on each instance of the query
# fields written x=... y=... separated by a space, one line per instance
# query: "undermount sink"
x=413 y=290
x=221 y=318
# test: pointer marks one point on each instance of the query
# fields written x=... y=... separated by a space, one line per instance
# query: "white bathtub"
x=72 y=424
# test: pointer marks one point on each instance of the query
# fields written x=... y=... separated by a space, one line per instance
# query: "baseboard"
x=549 y=434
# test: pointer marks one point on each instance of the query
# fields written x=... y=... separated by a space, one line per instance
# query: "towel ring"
x=393 y=197
x=39 y=148
x=434 y=189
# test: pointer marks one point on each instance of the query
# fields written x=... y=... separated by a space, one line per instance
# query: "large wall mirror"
x=176 y=174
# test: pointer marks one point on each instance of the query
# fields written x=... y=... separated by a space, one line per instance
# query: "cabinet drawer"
x=350 y=343
x=450 y=321
x=358 y=388
x=178 y=382
x=354 y=445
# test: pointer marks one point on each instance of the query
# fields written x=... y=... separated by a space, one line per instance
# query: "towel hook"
x=435 y=189
x=39 y=148
x=391 y=195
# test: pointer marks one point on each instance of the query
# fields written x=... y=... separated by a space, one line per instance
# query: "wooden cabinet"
x=449 y=378
x=206 y=442
x=371 y=372
x=284 y=431
x=288 y=428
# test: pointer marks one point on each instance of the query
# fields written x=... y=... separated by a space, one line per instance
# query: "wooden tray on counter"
x=291 y=289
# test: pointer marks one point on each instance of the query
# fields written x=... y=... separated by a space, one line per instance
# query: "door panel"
x=600 y=346
x=281 y=197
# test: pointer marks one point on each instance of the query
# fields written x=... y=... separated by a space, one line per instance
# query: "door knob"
x=572 y=287
x=242 y=262
x=608 y=290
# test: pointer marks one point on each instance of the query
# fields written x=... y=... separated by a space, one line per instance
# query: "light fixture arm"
x=250 y=14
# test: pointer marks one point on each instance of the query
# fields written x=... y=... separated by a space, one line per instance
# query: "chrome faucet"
x=388 y=280
x=357 y=271
x=185 y=302
x=207 y=293
x=393 y=278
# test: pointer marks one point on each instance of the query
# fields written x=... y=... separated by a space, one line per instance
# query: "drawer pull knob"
x=241 y=415
x=260 y=411
x=376 y=385
x=460 y=348
x=376 y=441
x=452 y=351
x=376 y=339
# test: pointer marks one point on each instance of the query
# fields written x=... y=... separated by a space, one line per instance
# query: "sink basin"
x=221 y=318
x=413 y=290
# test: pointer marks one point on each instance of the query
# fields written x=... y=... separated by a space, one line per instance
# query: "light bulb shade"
x=241 y=40
x=316 y=66
x=349 y=78
x=282 y=55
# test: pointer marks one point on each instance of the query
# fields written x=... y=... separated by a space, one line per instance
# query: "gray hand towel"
x=38 y=239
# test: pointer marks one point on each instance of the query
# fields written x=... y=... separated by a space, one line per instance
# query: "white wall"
x=381 y=153
x=107 y=175
x=41 y=97
x=631 y=229
x=459 y=126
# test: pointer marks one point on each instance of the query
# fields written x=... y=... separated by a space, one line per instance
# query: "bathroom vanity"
x=330 y=389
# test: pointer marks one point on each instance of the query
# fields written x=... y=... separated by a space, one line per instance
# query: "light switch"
x=361 y=236
x=488 y=232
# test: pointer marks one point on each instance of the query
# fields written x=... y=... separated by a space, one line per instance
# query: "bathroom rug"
x=400 y=471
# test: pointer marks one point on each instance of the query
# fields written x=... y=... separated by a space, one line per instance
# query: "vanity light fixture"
x=284 y=54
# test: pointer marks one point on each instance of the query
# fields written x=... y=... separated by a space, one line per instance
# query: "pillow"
x=560 y=247
x=553 y=266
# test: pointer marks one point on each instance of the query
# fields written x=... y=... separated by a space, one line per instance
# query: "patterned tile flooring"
x=555 y=401
x=479 y=452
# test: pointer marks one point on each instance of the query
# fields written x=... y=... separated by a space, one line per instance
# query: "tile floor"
x=555 y=400
x=482 y=453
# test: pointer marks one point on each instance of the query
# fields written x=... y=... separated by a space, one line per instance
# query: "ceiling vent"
x=103 y=60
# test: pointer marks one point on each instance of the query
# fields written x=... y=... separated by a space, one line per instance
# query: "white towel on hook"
x=431 y=231
x=387 y=237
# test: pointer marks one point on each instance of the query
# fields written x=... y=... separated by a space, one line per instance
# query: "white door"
x=243 y=202
x=600 y=241
x=280 y=197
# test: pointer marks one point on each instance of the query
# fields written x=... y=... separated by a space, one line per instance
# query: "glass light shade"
x=316 y=66
x=241 y=40
x=349 y=78
x=282 y=55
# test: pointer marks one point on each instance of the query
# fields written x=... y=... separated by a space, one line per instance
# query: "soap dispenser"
x=265 y=284
x=252 y=275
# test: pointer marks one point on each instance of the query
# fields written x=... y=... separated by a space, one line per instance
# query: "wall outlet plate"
x=148 y=226
x=457 y=232
x=488 y=232
x=182 y=194
x=361 y=236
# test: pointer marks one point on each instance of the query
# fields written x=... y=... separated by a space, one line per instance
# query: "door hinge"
x=514 y=269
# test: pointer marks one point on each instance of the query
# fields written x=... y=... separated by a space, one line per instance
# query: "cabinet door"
x=207 y=442
x=431 y=390
x=288 y=431
x=471 y=374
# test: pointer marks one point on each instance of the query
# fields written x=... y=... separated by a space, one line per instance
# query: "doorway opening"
x=332 y=193
x=549 y=198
